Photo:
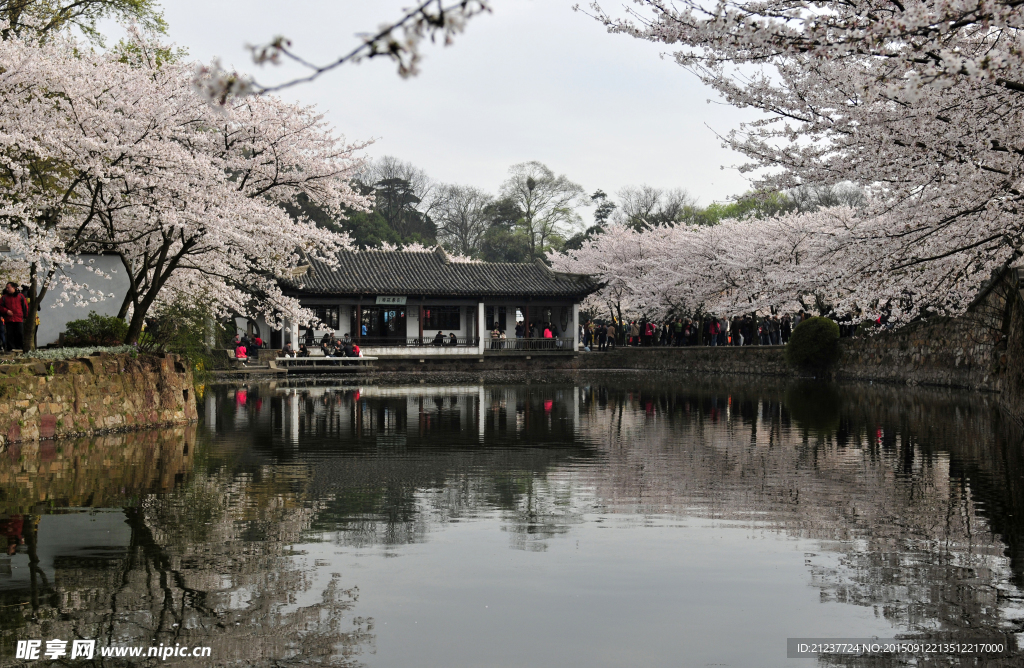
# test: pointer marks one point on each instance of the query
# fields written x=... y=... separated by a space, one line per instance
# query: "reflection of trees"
x=208 y=564
x=910 y=489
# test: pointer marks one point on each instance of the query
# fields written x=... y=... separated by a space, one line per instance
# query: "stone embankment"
x=93 y=395
x=949 y=353
x=702 y=360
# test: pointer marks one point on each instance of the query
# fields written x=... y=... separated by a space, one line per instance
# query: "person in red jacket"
x=14 y=309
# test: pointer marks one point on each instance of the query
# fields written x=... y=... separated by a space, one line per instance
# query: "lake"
x=622 y=519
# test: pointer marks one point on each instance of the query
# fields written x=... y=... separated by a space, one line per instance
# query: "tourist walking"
x=610 y=333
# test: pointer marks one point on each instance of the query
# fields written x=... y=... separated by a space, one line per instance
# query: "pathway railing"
x=445 y=342
x=560 y=343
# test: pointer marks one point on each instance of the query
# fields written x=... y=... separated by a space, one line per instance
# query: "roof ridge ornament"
x=543 y=265
x=439 y=252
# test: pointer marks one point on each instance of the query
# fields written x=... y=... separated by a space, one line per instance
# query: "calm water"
x=623 y=521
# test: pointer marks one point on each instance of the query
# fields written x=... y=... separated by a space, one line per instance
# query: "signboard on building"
x=391 y=301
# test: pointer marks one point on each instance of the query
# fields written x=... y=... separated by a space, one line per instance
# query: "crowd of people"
x=740 y=330
x=537 y=330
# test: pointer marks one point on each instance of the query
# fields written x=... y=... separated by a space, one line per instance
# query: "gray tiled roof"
x=430 y=273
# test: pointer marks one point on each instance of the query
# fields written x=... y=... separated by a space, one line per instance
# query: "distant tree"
x=749 y=205
x=602 y=214
x=461 y=217
x=812 y=198
x=368 y=229
x=504 y=239
x=547 y=203
x=604 y=210
x=403 y=195
x=396 y=201
x=645 y=206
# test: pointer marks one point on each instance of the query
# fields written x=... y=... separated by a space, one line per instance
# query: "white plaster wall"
x=54 y=319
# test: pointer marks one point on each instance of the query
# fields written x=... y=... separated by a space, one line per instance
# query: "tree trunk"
x=29 y=326
x=619 y=334
x=138 y=320
x=122 y=312
x=130 y=294
x=136 y=324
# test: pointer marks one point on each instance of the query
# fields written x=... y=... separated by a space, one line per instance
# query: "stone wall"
x=1012 y=397
x=951 y=353
x=91 y=395
x=969 y=351
x=704 y=360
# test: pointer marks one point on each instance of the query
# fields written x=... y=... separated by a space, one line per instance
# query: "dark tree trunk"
x=29 y=326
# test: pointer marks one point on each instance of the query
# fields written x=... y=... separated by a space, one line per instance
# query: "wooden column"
x=421 y=323
x=359 y=322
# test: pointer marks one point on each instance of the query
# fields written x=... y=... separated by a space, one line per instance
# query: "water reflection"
x=266 y=533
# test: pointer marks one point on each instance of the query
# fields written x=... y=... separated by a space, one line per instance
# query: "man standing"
x=14 y=309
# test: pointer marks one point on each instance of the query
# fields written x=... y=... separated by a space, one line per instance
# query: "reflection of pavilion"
x=462 y=414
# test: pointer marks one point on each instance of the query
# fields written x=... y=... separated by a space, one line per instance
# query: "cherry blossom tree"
x=920 y=102
x=116 y=153
x=797 y=260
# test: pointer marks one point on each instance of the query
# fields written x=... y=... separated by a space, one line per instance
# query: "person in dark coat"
x=14 y=308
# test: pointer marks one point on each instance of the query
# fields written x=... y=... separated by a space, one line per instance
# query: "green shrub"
x=814 y=345
x=96 y=330
x=181 y=327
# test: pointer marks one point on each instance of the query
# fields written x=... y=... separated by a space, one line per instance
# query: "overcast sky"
x=532 y=81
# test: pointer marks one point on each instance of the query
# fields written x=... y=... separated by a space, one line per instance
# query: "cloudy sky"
x=532 y=81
